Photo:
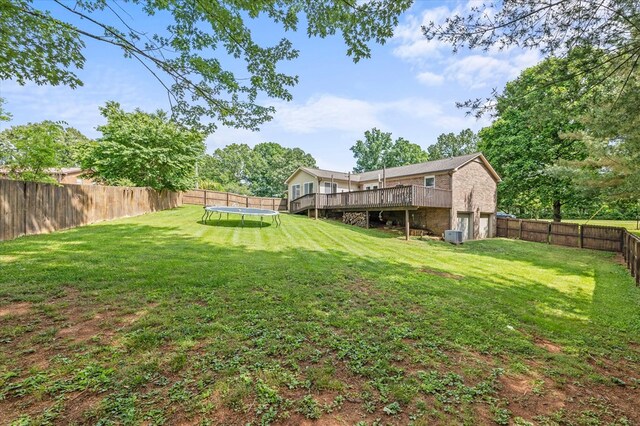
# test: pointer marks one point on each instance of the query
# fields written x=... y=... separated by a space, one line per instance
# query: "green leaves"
x=144 y=149
x=34 y=46
x=527 y=141
x=31 y=150
x=206 y=59
x=452 y=145
x=260 y=171
x=377 y=150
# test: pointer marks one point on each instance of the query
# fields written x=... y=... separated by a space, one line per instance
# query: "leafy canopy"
x=207 y=58
x=273 y=164
x=378 y=150
x=142 y=149
x=30 y=150
x=451 y=145
x=526 y=143
x=260 y=170
x=4 y=115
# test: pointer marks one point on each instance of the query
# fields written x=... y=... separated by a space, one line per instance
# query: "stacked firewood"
x=355 y=218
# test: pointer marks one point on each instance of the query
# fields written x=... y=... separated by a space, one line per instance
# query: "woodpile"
x=355 y=218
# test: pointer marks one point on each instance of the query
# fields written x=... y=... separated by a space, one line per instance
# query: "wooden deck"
x=396 y=198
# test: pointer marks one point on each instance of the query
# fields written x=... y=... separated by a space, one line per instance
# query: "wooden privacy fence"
x=632 y=254
x=205 y=197
x=28 y=208
x=574 y=235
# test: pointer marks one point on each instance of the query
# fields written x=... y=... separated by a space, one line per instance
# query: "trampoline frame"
x=210 y=210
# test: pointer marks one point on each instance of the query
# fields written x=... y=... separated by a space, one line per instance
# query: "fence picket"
x=593 y=237
x=28 y=208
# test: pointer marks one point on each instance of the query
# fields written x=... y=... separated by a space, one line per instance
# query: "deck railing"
x=399 y=196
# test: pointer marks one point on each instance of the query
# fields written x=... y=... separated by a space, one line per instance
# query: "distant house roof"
x=53 y=171
x=443 y=165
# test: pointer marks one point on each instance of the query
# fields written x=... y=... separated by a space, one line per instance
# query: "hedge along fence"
x=28 y=208
x=594 y=237
x=205 y=197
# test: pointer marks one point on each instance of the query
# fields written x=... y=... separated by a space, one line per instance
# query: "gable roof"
x=443 y=165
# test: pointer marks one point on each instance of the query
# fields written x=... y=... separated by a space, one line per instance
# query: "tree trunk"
x=557 y=215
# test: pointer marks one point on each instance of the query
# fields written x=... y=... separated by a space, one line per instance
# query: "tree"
x=451 y=145
x=526 y=143
x=31 y=149
x=229 y=167
x=613 y=136
x=370 y=152
x=273 y=164
x=259 y=171
x=4 y=115
x=144 y=149
x=554 y=28
x=404 y=152
x=378 y=150
x=198 y=55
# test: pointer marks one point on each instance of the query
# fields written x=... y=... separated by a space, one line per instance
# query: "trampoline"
x=241 y=211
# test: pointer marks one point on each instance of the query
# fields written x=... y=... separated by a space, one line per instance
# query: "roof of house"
x=52 y=171
x=443 y=165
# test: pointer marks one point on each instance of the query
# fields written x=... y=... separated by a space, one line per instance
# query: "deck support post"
x=316 y=213
x=367 y=215
x=406 y=224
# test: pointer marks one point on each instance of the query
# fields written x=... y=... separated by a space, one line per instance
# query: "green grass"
x=160 y=319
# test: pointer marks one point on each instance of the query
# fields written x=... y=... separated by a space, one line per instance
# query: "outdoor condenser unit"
x=454 y=237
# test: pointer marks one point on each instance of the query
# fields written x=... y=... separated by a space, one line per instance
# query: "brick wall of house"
x=474 y=191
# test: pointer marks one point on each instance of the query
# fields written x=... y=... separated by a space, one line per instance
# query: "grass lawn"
x=160 y=319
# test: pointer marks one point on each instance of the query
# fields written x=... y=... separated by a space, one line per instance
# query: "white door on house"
x=485 y=223
x=464 y=225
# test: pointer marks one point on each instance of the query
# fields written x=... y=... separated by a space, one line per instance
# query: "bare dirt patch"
x=82 y=330
x=548 y=345
x=442 y=274
x=15 y=309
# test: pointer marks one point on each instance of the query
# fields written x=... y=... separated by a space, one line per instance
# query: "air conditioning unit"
x=453 y=237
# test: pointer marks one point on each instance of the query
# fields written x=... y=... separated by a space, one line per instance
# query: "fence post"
x=205 y=197
x=549 y=233
x=637 y=268
x=24 y=210
x=227 y=199
x=520 y=229
x=581 y=236
x=246 y=200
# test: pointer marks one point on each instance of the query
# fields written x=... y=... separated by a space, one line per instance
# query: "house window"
x=308 y=188
x=371 y=187
x=430 y=181
x=295 y=191
x=330 y=188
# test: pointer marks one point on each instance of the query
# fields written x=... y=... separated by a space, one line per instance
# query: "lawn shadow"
x=236 y=223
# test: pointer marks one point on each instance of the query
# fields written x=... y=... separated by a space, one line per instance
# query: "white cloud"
x=478 y=71
x=430 y=79
x=326 y=112
x=412 y=44
x=472 y=69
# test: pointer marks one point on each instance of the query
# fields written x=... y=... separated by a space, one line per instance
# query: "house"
x=452 y=193
x=62 y=175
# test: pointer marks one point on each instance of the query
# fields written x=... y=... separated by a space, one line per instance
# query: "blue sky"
x=409 y=88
